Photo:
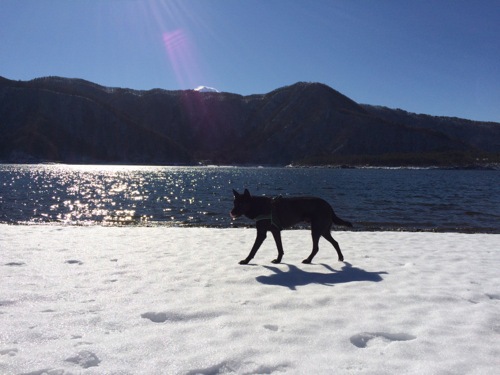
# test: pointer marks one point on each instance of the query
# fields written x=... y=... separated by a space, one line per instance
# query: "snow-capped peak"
x=205 y=89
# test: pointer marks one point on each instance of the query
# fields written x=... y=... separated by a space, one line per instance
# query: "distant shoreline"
x=247 y=225
x=479 y=167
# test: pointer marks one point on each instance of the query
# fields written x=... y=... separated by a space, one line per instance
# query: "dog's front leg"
x=261 y=236
x=277 y=238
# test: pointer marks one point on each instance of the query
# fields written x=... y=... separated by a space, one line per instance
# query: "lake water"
x=372 y=199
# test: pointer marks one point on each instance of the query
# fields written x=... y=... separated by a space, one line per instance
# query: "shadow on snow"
x=295 y=276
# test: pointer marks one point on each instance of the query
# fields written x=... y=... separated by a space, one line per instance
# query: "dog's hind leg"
x=277 y=238
x=328 y=236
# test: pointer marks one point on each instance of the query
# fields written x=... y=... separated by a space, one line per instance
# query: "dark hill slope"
x=315 y=122
x=72 y=120
x=481 y=135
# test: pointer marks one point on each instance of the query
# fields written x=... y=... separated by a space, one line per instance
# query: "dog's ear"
x=236 y=194
x=246 y=193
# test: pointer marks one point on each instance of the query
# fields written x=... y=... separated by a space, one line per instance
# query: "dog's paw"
x=244 y=261
x=341 y=259
x=306 y=261
x=276 y=261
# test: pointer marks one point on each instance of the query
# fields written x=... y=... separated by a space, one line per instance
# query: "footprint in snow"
x=271 y=327
x=74 y=261
x=10 y=352
x=46 y=371
x=361 y=339
x=155 y=317
x=227 y=367
x=493 y=296
x=162 y=317
x=85 y=359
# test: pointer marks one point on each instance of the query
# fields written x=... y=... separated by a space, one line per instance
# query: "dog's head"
x=241 y=203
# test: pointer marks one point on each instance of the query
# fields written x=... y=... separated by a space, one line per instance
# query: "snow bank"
x=95 y=300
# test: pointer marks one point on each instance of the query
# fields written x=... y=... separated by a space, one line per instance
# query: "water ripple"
x=202 y=196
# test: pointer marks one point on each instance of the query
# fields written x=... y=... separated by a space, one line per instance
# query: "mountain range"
x=55 y=119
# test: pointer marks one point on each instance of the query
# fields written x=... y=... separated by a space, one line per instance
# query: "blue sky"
x=440 y=57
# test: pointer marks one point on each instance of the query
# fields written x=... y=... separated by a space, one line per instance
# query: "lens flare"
x=182 y=58
x=174 y=26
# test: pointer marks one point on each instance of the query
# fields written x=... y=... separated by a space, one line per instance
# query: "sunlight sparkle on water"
x=91 y=194
x=201 y=196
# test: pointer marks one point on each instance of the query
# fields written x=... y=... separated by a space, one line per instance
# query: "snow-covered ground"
x=109 y=300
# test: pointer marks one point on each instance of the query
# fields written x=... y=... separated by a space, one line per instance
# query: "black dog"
x=275 y=214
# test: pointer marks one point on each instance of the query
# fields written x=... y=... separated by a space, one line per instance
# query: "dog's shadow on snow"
x=294 y=276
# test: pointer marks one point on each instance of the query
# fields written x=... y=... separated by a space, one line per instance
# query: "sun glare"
x=175 y=23
x=181 y=57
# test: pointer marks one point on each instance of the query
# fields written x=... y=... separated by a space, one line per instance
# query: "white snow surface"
x=138 y=300
x=205 y=89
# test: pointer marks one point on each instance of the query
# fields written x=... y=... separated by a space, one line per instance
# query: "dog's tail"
x=338 y=221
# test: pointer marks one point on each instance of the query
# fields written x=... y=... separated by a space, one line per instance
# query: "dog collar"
x=268 y=217
x=264 y=217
